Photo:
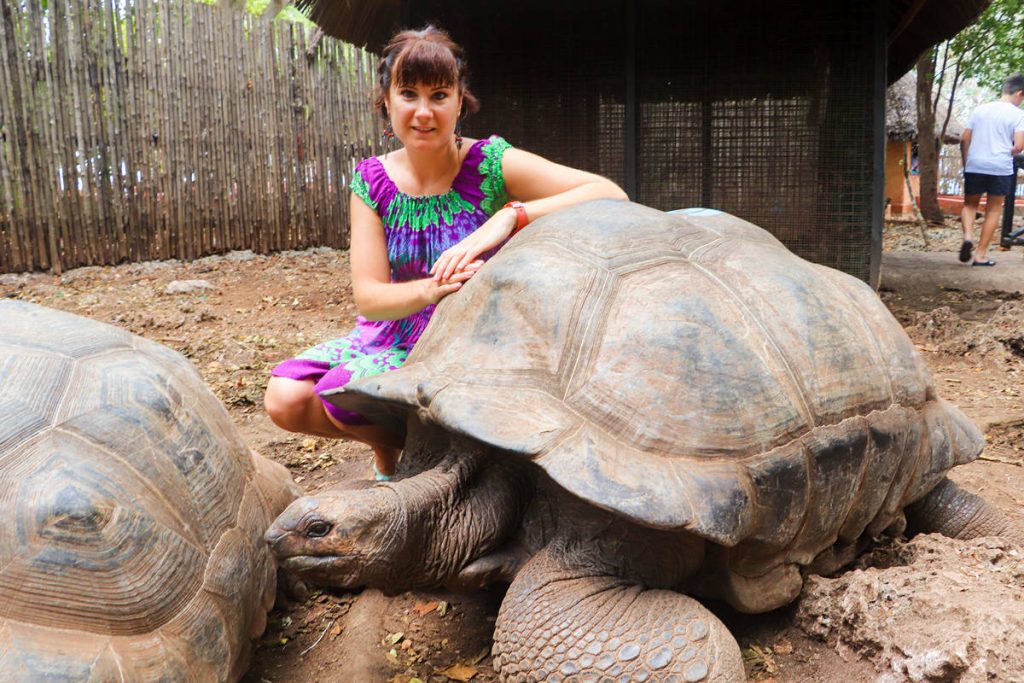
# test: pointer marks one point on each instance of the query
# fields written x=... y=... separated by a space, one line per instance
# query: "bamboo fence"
x=134 y=130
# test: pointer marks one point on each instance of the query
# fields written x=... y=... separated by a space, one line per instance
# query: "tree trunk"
x=927 y=141
x=274 y=8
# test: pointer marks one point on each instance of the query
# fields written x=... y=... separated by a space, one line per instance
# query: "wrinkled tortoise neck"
x=467 y=504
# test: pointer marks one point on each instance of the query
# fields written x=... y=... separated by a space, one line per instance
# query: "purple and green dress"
x=417 y=229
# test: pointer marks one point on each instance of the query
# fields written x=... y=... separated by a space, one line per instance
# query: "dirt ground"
x=235 y=316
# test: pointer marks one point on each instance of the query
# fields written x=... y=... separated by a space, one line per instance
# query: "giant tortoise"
x=625 y=408
x=131 y=512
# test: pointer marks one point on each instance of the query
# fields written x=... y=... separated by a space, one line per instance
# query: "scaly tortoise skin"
x=132 y=511
x=624 y=407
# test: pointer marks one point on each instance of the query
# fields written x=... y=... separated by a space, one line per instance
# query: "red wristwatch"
x=521 y=218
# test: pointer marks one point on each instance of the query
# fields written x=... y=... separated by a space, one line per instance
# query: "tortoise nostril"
x=273 y=535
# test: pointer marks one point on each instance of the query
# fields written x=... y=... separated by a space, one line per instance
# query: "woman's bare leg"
x=293 y=405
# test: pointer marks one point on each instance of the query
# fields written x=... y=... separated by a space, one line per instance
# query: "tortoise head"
x=347 y=537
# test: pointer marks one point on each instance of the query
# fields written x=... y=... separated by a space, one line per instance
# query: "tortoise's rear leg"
x=954 y=512
x=559 y=623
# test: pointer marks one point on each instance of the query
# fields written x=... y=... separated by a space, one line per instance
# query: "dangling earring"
x=458 y=134
x=387 y=138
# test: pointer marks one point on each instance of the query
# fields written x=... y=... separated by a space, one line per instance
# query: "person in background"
x=424 y=218
x=1007 y=237
x=994 y=134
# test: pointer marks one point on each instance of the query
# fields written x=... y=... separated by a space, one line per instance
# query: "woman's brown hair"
x=427 y=56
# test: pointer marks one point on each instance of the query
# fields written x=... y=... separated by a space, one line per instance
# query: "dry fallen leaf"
x=393 y=638
x=336 y=631
x=423 y=608
x=459 y=672
x=442 y=608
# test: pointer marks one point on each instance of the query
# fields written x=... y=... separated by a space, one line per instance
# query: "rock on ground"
x=998 y=337
x=187 y=286
x=932 y=609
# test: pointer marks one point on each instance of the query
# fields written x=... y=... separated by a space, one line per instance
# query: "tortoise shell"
x=132 y=511
x=686 y=371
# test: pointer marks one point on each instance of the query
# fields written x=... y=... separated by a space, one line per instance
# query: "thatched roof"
x=913 y=25
x=901 y=113
x=366 y=23
x=916 y=25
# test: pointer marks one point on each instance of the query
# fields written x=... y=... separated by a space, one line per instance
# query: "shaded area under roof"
x=901 y=113
x=913 y=25
x=916 y=25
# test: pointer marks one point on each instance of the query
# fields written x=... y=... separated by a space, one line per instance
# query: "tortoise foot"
x=562 y=623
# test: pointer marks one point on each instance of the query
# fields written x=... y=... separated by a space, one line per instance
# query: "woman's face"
x=424 y=116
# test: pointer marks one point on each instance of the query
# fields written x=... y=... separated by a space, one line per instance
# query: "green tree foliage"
x=260 y=7
x=991 y=48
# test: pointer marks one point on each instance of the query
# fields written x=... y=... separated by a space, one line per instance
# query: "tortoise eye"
x=318 y=529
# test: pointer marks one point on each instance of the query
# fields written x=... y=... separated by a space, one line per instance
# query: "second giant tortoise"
x=625 y=408
x=131 y=512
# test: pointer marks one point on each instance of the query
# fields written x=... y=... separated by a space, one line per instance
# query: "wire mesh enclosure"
x=770 y=111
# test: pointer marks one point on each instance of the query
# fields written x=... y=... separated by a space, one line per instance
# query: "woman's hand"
x=458 y=258
x=434 y=289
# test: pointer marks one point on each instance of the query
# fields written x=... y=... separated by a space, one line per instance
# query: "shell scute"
x=510 y=328
x=77 y=525
x=26 y=655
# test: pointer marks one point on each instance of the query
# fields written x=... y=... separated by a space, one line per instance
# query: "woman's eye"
x=408 y=94
x=440 y=96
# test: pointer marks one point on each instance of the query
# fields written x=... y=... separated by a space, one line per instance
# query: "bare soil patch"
x=258 y=310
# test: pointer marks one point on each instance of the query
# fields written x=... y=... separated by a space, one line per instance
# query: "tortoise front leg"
x=565 y=623
x=954 y=512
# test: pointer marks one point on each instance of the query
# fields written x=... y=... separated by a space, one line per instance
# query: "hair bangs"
x=426 y=62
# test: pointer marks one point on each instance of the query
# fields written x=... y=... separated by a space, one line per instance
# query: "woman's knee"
x=288 y=401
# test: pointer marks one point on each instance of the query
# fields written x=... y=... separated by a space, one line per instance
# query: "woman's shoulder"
x=370 y=181
x=485 y=154
x=370 y=167
x=488 y=181
x=491 y=142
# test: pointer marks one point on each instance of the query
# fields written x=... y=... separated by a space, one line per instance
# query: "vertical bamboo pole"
x=284 y=147
x=27 y=144
x=123 y=138
x=217 y=141
x=83 y=134
x=155 y=244
x=41 y=95
x=100 y=138
x=71 y=198
x=16 y=251
x=139 y=178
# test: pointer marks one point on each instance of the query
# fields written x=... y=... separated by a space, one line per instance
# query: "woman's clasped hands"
x=462 y=258
x=437 y=288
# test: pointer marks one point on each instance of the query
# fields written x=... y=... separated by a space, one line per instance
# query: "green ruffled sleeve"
x=493 y=184
x=362 y=189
